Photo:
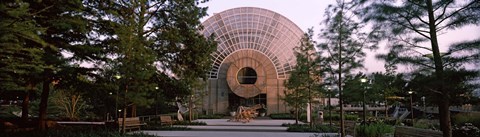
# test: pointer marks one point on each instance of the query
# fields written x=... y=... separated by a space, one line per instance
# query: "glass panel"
x=247 y=75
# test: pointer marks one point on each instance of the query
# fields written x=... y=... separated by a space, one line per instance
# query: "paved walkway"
x=234 y=134
x=222 y=128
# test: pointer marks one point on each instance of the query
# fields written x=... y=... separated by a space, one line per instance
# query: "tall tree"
x=123 y=23
x=145 y=35
x=456 y=61
x=66 y=31
x=421 y=21
x=343 y=45
x=21 y=64
x=304 y=81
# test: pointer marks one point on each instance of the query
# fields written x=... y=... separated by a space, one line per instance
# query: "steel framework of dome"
x=253 y=59
x=255 y=29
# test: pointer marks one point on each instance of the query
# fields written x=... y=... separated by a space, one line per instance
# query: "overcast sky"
x=309 y=13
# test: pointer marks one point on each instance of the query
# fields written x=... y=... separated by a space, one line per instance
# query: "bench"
x=130 y=123
x=402 y=131
x=166 y=120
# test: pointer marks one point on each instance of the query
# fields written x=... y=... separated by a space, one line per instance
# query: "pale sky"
x=309 y=13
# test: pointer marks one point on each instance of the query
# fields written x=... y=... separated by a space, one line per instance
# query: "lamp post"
x=116 y=99
x=108 y=109
x=424 y=108
x=156 y=100
x=329 y=89
x=364 y=80
x=411 y=103
x=124 y=109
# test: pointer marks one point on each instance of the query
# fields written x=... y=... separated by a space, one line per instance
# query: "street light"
x=156 y=100
x=424 y=108
x=116 y=98
x=124 y=116
x=364 y=80
x=108 y=109
x=411 y=103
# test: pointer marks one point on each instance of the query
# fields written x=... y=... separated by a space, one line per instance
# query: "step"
x=239 y=128
x=254 y=122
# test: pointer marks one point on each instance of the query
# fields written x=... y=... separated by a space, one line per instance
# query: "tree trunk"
x=123 y=119
x=25 y=104
x=134 y=111
x=42 y=115
x=340 y=97
x=310 y=108
x=296 y=114
x=386 y=107
x=190 y=109
x=445 y=122
x=444 y=105
x=124 y=109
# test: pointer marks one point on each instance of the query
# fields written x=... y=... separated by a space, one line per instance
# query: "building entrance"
x=235 y=100
x=254 y=57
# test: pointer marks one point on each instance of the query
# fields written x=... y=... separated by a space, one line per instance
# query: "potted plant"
x=233 y=110
x=262 y=111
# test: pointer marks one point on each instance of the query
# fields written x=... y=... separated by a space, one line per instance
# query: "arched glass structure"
x=254 y=29
x=253 y=58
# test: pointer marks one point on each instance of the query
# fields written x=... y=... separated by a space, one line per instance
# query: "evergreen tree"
x=304 y=80
x=456 y=61
x=66 y=30
x=20 y=63
x=343 y=45
x=425 y=19
x=414 y=22
x=145 y=35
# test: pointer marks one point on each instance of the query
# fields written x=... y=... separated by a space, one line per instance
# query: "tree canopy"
x=148 y=43
x=413 y=22
x=304 y=80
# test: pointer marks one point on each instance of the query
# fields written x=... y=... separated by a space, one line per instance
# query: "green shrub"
x=306 y=128
x=282 y=116
x=373 y=130
x=158 y=126
x=7 y=111
x=350 y=117
x=426 y=124
x=169 y=128
x=189 y=123
x=466 y=130
x=214 y=116
x=462 y=118
x=303 y=116
x=336 y=117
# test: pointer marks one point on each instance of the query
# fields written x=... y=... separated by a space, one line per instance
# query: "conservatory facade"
x=252 y=61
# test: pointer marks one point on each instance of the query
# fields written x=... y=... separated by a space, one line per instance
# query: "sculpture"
x=181 y=110
x=245 y=114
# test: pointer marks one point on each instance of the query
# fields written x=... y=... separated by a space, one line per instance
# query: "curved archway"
x=258 y=43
